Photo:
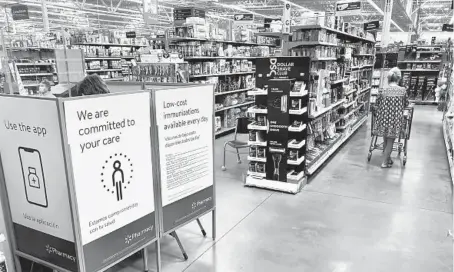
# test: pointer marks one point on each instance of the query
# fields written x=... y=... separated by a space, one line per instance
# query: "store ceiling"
x=434 y=13
x=126 y=14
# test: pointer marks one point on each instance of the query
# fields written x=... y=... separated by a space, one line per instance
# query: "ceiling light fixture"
x=240 y=9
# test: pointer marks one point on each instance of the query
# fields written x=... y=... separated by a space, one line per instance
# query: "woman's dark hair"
x=90 y=85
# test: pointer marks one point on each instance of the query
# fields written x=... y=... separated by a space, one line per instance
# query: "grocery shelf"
x=339 y=81
x=213 y=58
x=102 y=58
x=365 y=90
x=31 y=85
x=350 y=92
x=309 y=43
x=298 y=112
x=254 y=126
x=297 y=129
x=449 y=154
x=258 y=92
x=110 y=44
x=297 y=162
x=421 y=102
x=323 y=59
x=317 y=162
x=33 y=64
x=182 y=39
x=363 y=55
x=256 y=174
x=234 y=91
x=327 y=109
x=302 y=27
x=418 y=61
x=37 y=74
x=235 y=106
x=298 y=94
x=257 y=143
x=419 y=70
x=296 y=146
x=271 y=34
x=349 y=104
x=223 y=74
x=256 y=159
x=103 y=70
x=257 y=110
x=114 y=79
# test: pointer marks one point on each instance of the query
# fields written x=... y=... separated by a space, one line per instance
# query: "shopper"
x=92 y=84
x=389 y=110
x=44 y=89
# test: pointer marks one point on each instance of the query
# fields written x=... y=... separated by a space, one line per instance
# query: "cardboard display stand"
x=277 y=136
x=79 y=178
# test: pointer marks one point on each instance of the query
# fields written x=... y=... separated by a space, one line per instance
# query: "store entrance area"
x=352 y=216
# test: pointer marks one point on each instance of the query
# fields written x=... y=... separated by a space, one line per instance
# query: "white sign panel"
x=34 y=169
x=185 y=121
x=286 y=19
x=109 y=138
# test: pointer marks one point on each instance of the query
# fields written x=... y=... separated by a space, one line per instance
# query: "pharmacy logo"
x=52 y=250
x=132 y=237
x=203 y=202
x=117 y=174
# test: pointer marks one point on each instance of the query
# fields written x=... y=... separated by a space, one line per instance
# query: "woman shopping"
x=389 y=114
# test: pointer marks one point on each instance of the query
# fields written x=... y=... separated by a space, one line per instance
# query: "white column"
x=45 y=16
x=388 y=9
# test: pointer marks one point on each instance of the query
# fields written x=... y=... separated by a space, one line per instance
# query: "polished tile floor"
x=353 y=216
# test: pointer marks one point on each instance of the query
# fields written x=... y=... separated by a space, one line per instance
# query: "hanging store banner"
x=286 y=18
x=281 y=68
x=184 y=117
x=278 y=102
x=34 y=172
x=19 y=12
x=447 y=28
x=150 y=12
x=348 y=8
x=373 y=25
x=109 y=140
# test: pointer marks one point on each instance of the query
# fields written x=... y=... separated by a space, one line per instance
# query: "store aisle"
x=352 y=216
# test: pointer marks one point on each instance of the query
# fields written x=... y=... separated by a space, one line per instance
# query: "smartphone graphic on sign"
x=33 y=174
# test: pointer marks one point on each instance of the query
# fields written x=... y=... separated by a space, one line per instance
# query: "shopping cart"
x=401 y=143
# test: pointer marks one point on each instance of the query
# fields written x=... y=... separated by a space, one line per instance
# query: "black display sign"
x=372 y=25
x=379 y=58
x=161 y=36
x=243 y=17
x=447 y=28
x=19 y=12
x=130 y=34
x=432 y=42
x=281 y=68
x=267 y=22
x=278 y=102
x=391 y=60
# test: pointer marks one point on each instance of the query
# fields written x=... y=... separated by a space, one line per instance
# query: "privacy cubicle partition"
x=94 y=179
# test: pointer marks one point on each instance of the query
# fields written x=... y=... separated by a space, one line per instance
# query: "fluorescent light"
x=371 y=2
x=240 y=9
